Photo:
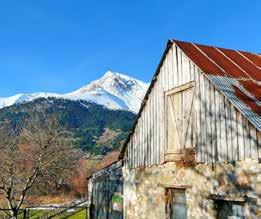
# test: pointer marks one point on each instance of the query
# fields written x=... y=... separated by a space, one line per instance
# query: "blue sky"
x=60 y=45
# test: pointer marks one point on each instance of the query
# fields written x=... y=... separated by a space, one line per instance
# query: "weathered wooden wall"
x=221 y=133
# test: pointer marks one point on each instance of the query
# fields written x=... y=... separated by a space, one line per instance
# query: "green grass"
x=36 y=213
x=79 y=213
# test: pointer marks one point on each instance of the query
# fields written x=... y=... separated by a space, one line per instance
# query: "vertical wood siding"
x=220 y=132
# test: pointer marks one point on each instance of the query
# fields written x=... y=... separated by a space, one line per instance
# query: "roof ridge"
x=219 y=47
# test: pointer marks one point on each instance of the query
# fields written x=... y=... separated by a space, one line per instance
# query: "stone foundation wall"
x=144 y=188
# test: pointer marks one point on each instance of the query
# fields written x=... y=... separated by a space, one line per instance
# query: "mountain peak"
x=109 y=74
x=113 y=90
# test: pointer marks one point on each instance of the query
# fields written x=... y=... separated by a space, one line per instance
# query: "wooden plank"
x=148 y=134
x=203 y=117
x=134 y=147
x=154 y=109
x=161 y=118
x=192 y=70
x=259 y=145
x=143 y=136
x=175 y=64
x=147 y=149
x=145 y=124
x=181 y=88
x=247 y=142
x=240 y=133
x=126 y=159
x=141 y=140
x=253 y=142
x=157 y=122
x=223 y=136
x=179 y=74
x=188 y=117
x=167 y=72
x=151 y=131
x=172 y=70
x=228 y=130
x=234 y=141
x=128 y=162
x=185 y=69
x=209 y=131
x=197 y=110
x=211 y=126
x=137 y=143
x=163 y=87
x=192 y=133
x=171 y=131
x=217 y=126
x=152 y=126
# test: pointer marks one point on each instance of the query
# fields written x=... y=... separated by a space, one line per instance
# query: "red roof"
x=217 y=61
x=238 y=71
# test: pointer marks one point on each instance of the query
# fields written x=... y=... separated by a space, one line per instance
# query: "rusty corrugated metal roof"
x=237 y=74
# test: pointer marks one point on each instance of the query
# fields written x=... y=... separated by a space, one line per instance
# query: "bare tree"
x=41 y=150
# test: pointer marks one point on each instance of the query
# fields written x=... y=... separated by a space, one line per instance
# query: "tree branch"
x=30 y=181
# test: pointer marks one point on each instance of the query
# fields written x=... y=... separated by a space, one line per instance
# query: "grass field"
x=79 y=213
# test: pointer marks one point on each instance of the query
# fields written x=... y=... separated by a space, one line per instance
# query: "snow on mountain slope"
x=113 y=90
x=20 y=98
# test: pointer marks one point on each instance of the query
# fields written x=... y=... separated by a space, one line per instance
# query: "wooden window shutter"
x=179 y=118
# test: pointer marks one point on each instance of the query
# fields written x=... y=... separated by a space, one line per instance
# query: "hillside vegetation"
x=96 y=129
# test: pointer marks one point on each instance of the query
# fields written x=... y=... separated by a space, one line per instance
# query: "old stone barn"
x=195 y=148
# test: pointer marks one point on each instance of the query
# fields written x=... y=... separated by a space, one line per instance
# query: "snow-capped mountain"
x=113 y=90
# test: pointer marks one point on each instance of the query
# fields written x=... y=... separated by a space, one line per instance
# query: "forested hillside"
x=97 y=130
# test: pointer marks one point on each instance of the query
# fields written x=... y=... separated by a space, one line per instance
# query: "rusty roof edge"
x=154 y=79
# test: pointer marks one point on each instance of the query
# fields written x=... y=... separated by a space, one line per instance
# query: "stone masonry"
x=144 y=188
